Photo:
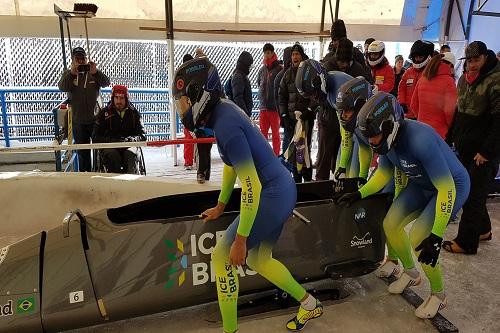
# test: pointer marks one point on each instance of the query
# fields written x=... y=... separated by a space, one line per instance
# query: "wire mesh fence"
x=38 y=62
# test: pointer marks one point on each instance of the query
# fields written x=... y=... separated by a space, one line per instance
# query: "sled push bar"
x=159 y=143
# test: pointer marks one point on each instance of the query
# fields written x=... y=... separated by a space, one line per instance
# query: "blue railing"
x=23 y=123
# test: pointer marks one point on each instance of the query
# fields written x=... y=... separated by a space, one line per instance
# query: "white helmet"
x=376 y=52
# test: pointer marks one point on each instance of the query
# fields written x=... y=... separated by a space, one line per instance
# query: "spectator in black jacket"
x=337 y=33
x=240 y=84
x=287 y=61
x=476 y=135
x=345 y=61
x=290 y=101
x=269 y=114
x=119 y=121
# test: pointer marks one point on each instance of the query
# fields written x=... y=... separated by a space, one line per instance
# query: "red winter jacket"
x=383 y=74
x=406 y=87
x=434 y=102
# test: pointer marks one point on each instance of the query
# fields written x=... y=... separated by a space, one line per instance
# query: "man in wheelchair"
x=119 y=121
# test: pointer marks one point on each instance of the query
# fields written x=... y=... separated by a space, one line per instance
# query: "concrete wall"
x=35 y=201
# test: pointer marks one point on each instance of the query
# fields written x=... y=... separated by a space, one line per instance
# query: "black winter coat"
x=110 y=127
x=242 y=91
x=290 y=100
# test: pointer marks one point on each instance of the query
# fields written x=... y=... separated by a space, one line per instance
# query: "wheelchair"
x=98 y=165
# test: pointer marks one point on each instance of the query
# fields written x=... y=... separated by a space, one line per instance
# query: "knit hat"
x=344 y=50
x=187 y=57
x=338 y=30
x=245 y=59
x=287 y=56
x=298 y=48
x=449 y=57
x=268 y=47
x=119 y=90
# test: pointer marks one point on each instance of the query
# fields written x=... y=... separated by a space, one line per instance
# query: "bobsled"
x=155 y=255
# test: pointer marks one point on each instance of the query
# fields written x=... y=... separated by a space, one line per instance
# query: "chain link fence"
x=38 y=62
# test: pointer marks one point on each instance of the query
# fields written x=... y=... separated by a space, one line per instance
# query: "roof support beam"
x=481 y=13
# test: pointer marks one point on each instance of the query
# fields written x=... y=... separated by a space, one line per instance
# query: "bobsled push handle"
x=300 y=217
x=83 y=226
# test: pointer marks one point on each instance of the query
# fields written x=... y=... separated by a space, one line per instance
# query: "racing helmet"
x=199 y=80
x=381 y=114
x=311 y=78
x=376 y=52
x=352 y=95
x=421 y=48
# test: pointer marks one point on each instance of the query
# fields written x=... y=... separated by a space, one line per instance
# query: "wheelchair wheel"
x=141 y=165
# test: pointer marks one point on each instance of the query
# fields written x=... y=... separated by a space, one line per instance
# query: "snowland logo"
x=360 y=215
x=362 y=242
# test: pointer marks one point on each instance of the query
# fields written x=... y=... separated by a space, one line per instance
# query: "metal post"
x=3 y=105
x=469 y=21
x=321 y=29
x=331 y=10
x=337 y=5
x=448 y=20
x=169 y=20
x=56 y=135
x=61 y=31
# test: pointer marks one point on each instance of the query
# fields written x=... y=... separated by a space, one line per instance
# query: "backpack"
x=228 y=89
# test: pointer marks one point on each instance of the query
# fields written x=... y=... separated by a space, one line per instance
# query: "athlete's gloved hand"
x=130 y=139
x=349 y=198
x=430 y=248
x=339 y=173
x=361 y=182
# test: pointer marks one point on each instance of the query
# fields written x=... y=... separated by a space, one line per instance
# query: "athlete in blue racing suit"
x=268 y=192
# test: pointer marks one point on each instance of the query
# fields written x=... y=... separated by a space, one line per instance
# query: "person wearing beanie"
x=337 y=33
x=287 y=60
x=240 y=84
x=344 y=61
x=290 y=101
x=83 y=85
x=399 y=71
x=119 y=121
x=269 y=115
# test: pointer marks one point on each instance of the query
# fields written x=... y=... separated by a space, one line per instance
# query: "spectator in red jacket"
x=420 y=54
x=435 y=97
x=382 y=72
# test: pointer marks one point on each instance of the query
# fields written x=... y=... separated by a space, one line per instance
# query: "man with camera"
x=83 y=83
x=119 y=121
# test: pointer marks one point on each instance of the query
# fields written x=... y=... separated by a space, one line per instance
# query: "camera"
x=84 y=68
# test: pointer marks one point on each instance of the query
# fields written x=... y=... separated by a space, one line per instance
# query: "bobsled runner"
x=154 y=256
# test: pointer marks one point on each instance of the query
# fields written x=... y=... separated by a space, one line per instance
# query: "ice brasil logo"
x=173 y=258
x=201 y=268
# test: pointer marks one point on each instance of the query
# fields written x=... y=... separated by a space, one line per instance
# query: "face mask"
x=382 y=148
